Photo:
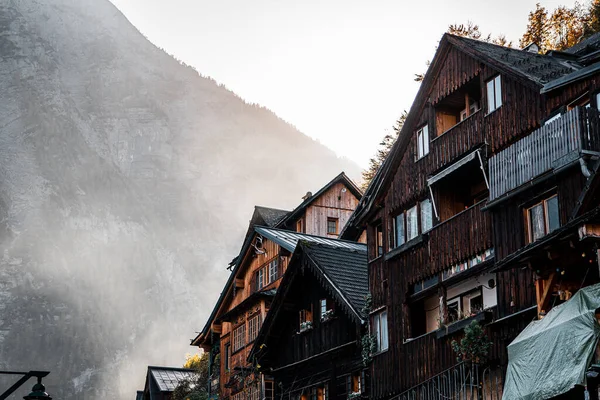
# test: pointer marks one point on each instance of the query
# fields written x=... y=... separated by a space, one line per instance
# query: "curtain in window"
x=426 y=215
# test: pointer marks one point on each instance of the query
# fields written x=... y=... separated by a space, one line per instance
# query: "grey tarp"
x=552 y=355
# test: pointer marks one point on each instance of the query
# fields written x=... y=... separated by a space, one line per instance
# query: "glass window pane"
x=399 y=229
x=498 y=91
x=419 y=144
x=425 y=140
x=552 y=210
x=490 y=96
x=376 y=332
x=537 y=223
x=412 y=228
x=384 y=331
x=426 y=215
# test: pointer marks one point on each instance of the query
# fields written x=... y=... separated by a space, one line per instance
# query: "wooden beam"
x=239 y=283
x=543 y=295
x=216 y=328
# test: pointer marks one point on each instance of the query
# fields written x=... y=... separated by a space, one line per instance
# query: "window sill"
x=406 y=246
x=463 y=323
x=493 y=111
x=375 y=259
x=380 y=353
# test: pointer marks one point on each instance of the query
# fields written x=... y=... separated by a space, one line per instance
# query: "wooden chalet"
x=235 y=321
x=486 y=209
x=310 y=342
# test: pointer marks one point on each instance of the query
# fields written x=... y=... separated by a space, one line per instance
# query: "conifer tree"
x=382 y=152
x=537 y=29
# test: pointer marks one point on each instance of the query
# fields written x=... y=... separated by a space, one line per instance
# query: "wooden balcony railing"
x=456 y=141
x=459 y=238
x=550 y=147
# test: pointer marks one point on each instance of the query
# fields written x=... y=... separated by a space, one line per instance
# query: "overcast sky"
x=340 y=70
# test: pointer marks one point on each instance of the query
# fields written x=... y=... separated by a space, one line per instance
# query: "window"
x=379 y=329
x=422 y=142
x=353 y=383
x=260 y=279
x=305 y=320
x=269 y=390
x=494 y=94
x=299 y=227
x=542 y=218
x=426 y=215
x=253 y=327
x=412 y=223
x=273 y=270
x=379 y=240
x=326 y=309
x=399 y=237
x=406 y=224
x=227 y=357
x=239 y=337
x=332 y=226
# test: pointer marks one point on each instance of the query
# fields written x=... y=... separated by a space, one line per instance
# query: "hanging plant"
x=474 y=346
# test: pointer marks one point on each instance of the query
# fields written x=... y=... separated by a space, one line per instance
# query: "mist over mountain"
x=126 y=180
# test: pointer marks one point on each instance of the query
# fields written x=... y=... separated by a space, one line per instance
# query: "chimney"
x=532 y=48
x=307 y=196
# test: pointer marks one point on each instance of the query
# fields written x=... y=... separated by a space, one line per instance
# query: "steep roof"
x=529 y=68
x=341 y=270
x=345 y=268
x=585 y=46
x=341 y=178
x=270 y=216
x=165 y=379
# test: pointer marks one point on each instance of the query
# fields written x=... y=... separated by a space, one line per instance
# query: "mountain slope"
x=125 y=183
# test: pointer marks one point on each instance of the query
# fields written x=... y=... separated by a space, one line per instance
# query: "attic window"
x=326 y=309
x=422 y=142
x=494 y=93
x=305 y=320
x=332 y=226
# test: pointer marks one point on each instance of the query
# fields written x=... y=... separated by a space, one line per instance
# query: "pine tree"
x=592 y=24
x=382 y=152
x=537 y=29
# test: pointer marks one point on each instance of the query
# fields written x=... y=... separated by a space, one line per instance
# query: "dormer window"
x=422 y=142
x=494 y=93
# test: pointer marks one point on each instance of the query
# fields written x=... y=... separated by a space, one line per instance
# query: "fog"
x=126 y=183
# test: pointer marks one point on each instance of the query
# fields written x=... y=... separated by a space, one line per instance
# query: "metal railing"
x=461 y=382
x=549 y=147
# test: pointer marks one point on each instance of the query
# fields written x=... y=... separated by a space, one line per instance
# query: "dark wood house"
x=310 y=342
x=485 y=209
x=272 y=235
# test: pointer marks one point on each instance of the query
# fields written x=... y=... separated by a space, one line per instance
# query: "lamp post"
x=38 y=392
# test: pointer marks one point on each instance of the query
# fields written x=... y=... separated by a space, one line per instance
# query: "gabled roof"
x=285 y=239
x=341 y=178
x=166 y=379
x=341 y=270
x=270 y=216
x=529 y=68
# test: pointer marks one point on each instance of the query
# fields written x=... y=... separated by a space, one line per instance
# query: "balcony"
x=549 y=148
x=460 y=238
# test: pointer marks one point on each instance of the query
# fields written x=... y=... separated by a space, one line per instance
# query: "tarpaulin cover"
x=552 y=355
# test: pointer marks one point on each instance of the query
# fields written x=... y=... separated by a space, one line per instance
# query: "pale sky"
x=341 y=71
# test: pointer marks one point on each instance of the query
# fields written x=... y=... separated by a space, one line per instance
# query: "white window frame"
x=426 y=205
x=239 y=338
x=273 y=270
x=413 y=213
x=494 y=93
x=422 y=142
x=379 y=329
x=260 y=278
x=545 y=209
x=253 y=327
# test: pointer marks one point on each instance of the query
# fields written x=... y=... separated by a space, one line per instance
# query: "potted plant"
x=474 y=346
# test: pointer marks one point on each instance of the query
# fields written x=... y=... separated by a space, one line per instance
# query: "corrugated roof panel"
x=289 y=239
x=167 y=379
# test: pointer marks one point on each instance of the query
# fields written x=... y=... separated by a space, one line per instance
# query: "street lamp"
x=38 y=392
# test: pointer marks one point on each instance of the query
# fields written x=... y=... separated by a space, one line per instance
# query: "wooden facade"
x=231 y=330
x=476 y=243
x=323 y=359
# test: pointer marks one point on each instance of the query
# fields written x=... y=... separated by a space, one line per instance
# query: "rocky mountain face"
x=126 y=181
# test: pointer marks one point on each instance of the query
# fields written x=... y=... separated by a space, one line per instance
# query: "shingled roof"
x=341 y=270
x=585 y=46
x=538 y=68
x=345 y=268
x=270 y=216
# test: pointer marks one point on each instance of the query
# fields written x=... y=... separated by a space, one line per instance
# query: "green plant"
x=368 y=346
x=474 y=346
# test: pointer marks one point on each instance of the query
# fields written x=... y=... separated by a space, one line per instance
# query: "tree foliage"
x=196 y=388
x=382 y=152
